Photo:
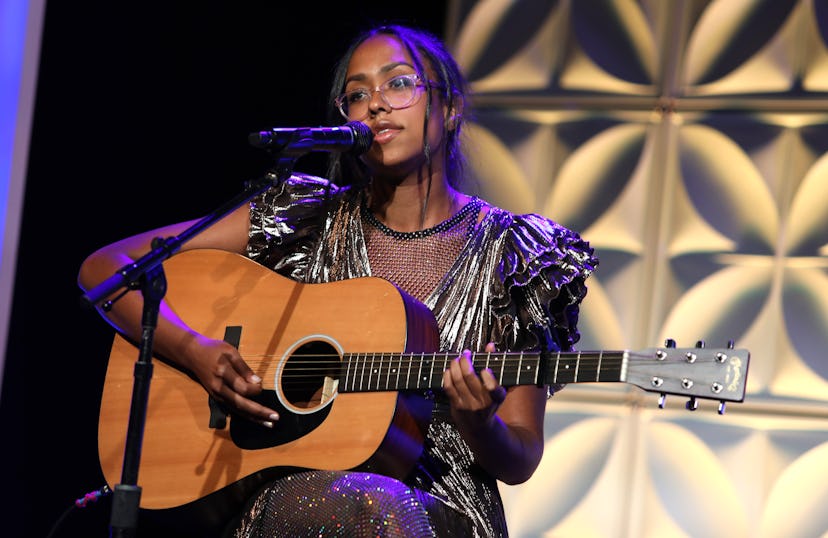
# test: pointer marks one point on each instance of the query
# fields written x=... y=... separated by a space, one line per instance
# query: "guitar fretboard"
x=372 y=372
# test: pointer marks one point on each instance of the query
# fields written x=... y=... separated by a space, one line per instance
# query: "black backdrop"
x=141 y=119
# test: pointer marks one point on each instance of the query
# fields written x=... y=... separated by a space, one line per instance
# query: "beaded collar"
x=473 y=206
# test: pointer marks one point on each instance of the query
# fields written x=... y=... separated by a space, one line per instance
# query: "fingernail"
x=256 y=379
x=274 y=417
x=267 y=424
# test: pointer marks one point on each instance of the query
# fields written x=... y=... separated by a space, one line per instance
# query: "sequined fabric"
x=348 y=505
x=510 y=277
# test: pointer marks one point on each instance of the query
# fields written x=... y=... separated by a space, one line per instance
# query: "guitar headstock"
x=697 y=372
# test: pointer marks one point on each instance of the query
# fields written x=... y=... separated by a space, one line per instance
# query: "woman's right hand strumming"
x=217 y=365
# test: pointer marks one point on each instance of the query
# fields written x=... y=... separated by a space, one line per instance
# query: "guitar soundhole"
x=310 y=375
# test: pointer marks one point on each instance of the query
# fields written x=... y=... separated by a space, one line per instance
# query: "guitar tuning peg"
x=692 y=404
x=670 y=343
x=662 y=398
x=722 y=407
x=731 y=344
x=700 y=344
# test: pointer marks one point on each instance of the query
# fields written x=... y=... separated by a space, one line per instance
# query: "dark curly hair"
x=430 y=57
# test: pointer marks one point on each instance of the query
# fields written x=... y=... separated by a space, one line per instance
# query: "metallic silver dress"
x=498 y=280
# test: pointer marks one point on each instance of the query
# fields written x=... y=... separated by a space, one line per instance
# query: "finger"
x=240 y=377
x=448 y=384
x=490 y=347
x=250 y=409
x=463 y=375
x=496 y=391
x=467 y=369
x=471 y=392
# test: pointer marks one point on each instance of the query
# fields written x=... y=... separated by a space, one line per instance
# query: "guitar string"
x=307 y=367
x=383 y=359
x=510 y=365
x=508 y=356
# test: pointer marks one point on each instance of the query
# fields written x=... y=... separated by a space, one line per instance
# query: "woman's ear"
x=454 y=116
x=452 y=121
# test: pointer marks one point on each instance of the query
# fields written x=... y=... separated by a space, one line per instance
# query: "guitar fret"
x=373 y=377
x=362 y=372
x=369 y=385
x=387 y=372
x=598 y=369
x=519 y=368
x=420 y=371
x=354 y=373
x=348 y=361
x=371 y=370
x=382 y=373
x=537 y=370
x=557 y=362
x=399 y=367
x=577 y=365
x=431 y=375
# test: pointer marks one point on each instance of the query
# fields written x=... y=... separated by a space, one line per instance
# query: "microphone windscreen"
x=363 y=137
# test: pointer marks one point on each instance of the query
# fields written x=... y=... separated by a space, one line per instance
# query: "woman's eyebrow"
x=384 y=69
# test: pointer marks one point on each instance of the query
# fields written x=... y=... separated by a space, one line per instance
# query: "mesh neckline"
x=473 y=205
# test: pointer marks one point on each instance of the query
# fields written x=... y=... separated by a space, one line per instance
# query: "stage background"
x=685 y=139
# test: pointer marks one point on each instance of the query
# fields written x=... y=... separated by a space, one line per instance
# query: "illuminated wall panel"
x=688 y=142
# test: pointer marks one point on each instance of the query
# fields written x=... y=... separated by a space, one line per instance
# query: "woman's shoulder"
x=299 y=183
x=518 y=225
x=299 y=191
x=531 y=242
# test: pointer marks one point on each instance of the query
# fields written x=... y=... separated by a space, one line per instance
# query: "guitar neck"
x=370 y=372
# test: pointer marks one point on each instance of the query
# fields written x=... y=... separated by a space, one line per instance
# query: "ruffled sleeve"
x=540 y=281
x=286 y=223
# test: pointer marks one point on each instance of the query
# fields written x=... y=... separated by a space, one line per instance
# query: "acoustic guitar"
x=348 y=366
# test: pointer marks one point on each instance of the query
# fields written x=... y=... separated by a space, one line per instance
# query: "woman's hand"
x=227 y=378
x=505 y=433
x=474 y=399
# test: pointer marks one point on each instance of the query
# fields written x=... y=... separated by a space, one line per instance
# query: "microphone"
x=354 y=137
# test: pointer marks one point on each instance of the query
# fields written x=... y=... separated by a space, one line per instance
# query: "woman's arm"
x=503 y=428
x=216 y=364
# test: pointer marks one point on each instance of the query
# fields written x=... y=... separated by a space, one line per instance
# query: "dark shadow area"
x=141 y=119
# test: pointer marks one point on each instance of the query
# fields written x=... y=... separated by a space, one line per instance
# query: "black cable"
x=90 y=497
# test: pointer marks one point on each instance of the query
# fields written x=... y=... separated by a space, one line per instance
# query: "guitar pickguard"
x=249 y=435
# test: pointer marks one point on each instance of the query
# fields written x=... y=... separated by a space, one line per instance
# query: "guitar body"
x=184 y=459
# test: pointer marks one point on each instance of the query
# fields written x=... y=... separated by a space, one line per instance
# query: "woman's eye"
x=356 y=96
x=401 y=83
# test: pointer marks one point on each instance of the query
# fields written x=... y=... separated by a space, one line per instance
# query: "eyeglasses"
x=399 y=92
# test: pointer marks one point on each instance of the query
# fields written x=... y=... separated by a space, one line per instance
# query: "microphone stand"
x=147 y=274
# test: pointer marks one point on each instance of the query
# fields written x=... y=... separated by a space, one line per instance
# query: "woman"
x=492 y=279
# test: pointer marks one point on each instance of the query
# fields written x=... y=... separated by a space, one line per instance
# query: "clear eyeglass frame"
x=384 y=89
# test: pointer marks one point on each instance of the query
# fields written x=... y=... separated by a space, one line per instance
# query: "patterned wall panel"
x=688 y=142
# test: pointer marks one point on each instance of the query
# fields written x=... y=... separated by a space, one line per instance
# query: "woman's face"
x=398 y=133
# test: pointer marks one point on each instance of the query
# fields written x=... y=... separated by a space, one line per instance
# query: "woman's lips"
x=385 y=135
